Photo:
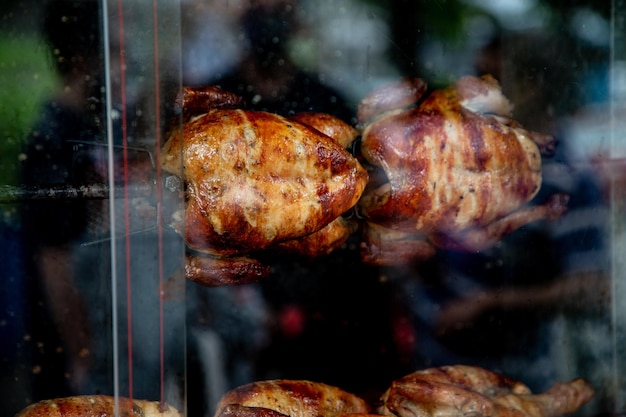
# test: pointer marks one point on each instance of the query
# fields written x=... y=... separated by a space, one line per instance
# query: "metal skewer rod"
x=13 y=194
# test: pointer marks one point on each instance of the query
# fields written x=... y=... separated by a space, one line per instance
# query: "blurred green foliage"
x=27 y=79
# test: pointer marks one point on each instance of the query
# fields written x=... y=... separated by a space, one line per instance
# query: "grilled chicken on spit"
x=454 y=171
x=293 y=398
x=258 y=182
x=466 y=391
x=98 y=406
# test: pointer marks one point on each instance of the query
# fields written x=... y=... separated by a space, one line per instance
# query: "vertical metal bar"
x=618 y=204
x=112 y=217
x=157 y=131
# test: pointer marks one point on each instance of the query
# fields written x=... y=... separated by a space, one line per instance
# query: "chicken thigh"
x=469 y=391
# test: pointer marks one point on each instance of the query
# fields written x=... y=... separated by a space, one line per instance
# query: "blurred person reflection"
x=210 y=42
x=52 y=156
x=68 y=239
x=266 y=76
x=577 y=300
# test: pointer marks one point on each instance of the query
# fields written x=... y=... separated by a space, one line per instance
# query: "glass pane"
x=534 y=305
x=93 y=302
x=447 y=256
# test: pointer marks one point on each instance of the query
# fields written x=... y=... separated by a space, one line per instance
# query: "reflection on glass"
x=87 y=277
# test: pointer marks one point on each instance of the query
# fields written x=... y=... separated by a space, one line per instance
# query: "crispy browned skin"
x=456 y=167
x=458 y=391
x=197 y=100
x=291 y=398
x=322 y=242
x=331 y=126
x=237 y=410
x=211 y=271
x=97 y=406
x=255 y=179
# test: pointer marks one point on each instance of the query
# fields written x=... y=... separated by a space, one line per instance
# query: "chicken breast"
x=255 y=179
x=292 y=398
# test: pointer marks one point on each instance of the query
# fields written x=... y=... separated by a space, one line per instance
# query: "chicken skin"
x=460 y=390
x=257 y=181
x=98 y=405
x=453 y=172
x=293 y=398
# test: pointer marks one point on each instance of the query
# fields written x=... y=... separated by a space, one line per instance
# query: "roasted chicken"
x=293 y=398
x=453 y=172
x=467 y=391
x=98 y=405
x=258 y=182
